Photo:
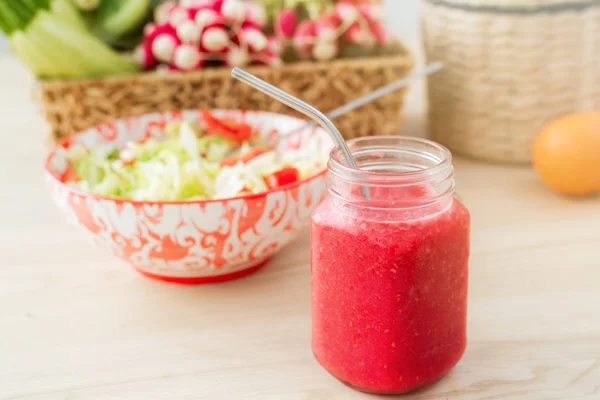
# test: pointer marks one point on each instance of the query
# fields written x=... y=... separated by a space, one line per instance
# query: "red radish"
x=371 y=11
x=271 y=54
x=255 y=13
x=162 y=12
x=250 y=25
x=325 y=30
x=331 y=18
x=189 y=32
x=187 y=57
x=192 y=11
x=149 y=28
x=381 y=33
x=215 y=38
x=354 y=33
x=358 y=35
x=194 y=31
x=346 y=11
x=207 y=16
x=196 y=3
x=216 y=5
x=163 y=47
x=304 y=36
x=253 y=37
x=178 y=16
x=274 y=46
x=144 y=57
x=237 y=57
x=266 y=58
x=152 y=31
x=233 y=11
x=285 y=23
x=325 y=50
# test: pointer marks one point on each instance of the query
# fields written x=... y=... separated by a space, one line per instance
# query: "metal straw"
x=322 y=119
x=300 y=106
x=374 y=95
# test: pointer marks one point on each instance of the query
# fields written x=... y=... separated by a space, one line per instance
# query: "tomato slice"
x=227 y=127
x=129 y=163
x=70 y=175
x=67 y=143
x=284 y=177
x=242 y=133
x=231 y=161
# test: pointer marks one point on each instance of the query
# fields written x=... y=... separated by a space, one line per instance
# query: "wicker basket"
x=510 y=66
x=71 y=106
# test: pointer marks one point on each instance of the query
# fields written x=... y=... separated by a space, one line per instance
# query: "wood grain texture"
x=78 y=324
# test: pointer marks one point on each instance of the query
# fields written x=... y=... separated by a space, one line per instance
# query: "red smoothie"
x=389 y=287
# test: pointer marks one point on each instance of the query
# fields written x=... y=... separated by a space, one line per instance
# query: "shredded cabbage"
x=185 y=165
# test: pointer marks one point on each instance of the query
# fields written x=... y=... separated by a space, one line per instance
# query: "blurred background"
x=402 y=17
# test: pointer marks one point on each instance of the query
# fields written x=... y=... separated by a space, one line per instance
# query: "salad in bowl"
x=218 y=159
x=192 y=196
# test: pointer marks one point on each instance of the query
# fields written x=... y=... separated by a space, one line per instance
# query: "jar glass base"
x=394 y=393
x=414 y=389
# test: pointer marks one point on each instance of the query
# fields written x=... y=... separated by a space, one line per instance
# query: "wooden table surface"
x=77 y=323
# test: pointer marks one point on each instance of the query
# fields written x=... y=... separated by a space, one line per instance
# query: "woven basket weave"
x=71 y=106
x=510 y=66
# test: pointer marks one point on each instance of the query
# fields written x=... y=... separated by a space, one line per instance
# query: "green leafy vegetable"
x=50 y=38
x=188 y=164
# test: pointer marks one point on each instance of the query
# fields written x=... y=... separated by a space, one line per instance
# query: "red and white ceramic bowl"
x=194 y=241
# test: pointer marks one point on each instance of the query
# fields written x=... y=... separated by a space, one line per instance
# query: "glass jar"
x=389 y=266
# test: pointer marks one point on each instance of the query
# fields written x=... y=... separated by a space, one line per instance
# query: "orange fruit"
x=566 y=154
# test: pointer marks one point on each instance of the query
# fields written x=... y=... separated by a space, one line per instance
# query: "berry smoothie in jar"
x=389 y=267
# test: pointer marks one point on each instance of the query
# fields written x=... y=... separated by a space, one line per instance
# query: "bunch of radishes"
x=190 y=34
x=323 y=38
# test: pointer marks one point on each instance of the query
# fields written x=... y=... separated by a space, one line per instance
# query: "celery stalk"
x=54 y=49
x=65 y=11
x=29 y=55
x=33 y=56
x=86 y=51
x=86 y=5
x=50 y=38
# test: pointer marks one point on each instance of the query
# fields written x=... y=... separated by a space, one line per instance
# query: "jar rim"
x=435 y=152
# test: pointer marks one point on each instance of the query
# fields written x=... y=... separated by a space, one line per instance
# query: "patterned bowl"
x=190 y=241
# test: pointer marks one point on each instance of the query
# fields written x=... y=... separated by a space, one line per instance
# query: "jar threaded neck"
x=399 y=172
